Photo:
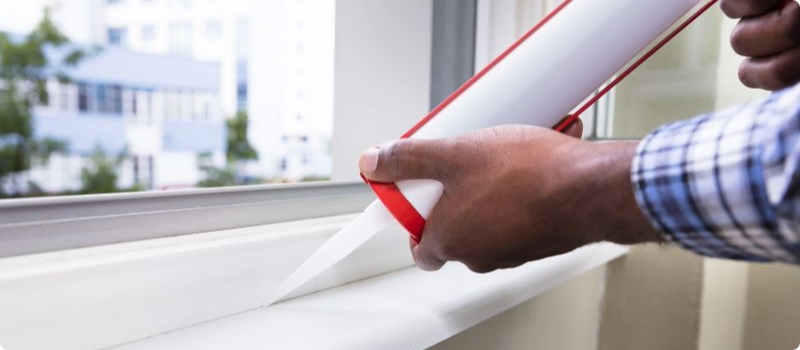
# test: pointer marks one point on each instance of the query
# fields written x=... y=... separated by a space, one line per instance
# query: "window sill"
x=406 y=309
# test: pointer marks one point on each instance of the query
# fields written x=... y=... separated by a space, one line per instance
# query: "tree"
x=24 y=72
x=239 y=148
x=101 y=175
x=238 y=151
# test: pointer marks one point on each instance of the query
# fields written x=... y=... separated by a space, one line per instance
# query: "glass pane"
x=144 y=102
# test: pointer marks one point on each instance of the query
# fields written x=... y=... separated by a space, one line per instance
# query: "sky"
x=20 y=16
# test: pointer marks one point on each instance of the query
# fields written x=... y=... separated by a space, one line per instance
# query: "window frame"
x=40 y=225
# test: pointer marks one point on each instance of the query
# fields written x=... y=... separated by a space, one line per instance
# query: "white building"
x=288 y=65
x=161 y=111
x=291 y=74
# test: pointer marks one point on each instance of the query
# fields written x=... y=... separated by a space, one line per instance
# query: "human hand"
x=769 y=36
x=515 y=194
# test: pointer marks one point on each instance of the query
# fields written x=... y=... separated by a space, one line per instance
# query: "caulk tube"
x=537 y=81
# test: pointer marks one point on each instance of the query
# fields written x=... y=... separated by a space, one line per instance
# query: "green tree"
x=100 y=176
x=24 y=72
x=239 y=150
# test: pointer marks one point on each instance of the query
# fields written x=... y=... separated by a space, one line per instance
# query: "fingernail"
x=369 y=160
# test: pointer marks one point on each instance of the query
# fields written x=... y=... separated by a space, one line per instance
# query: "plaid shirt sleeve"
x=727 y=185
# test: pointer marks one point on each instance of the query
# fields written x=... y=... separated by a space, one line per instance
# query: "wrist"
x=606 y=170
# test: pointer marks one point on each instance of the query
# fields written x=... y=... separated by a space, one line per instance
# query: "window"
x=181 y=39
x=117 y=36
x=65 y=96
x=114 y=2
x=109 y=99
x=84 y=96
x=148 y=33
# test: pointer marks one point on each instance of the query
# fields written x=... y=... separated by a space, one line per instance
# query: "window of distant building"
x=213 y=30
x=109 y=99
x=114 y=2
x=117 y=36
x=64 y=96
x=84 y=96
x=180 y=38
x=148 y=33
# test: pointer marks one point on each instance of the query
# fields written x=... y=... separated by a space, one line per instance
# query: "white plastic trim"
x=408 y=309
x=96 y=298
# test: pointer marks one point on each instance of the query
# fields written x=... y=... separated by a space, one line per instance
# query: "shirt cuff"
x=701 y=183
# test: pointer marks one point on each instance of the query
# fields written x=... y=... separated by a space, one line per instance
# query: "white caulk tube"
x=538 y=81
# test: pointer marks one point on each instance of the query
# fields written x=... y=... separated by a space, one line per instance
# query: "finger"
x=749 y=8
x=771 y=73
x=481 y=268
x=404 y=160
x=769 y=34
x=575 y=130
x=424 y=258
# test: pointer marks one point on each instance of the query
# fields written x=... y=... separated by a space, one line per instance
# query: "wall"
x=653 y=299
x=773 y=313
x=380 y=88
x=564 y=318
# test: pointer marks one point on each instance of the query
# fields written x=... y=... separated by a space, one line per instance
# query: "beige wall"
x=677 y=83
x=773 y=310
x=723 y=305
x=652 y=300
x=565 y=318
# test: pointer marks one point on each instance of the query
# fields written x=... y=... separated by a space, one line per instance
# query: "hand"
x=514 y=194
x=769 y=36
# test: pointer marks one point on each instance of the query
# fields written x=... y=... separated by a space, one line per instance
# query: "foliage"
x=101 y=175
x=24 y=72
x=239 y=148
x=218 y=177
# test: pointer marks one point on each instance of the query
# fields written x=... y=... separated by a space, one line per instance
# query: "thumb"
x=404 y=160
x=575 y=130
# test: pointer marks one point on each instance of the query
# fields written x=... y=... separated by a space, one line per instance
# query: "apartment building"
x=280 y=51
x=161 y=112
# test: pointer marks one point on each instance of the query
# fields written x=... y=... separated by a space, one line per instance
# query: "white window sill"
x=406 y=309
x=207 y=290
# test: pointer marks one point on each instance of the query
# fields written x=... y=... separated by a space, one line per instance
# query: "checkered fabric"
x=727 y=185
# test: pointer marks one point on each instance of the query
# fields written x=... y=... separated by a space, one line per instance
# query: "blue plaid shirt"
x=727 y=184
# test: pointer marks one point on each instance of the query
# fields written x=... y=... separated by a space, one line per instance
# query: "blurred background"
x=128 y=95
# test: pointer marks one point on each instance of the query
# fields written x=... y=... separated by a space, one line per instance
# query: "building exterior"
x=291 y=74
x=160 y=112
x=288 y=65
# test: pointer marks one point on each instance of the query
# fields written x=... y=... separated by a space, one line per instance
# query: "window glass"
x=164 y=92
